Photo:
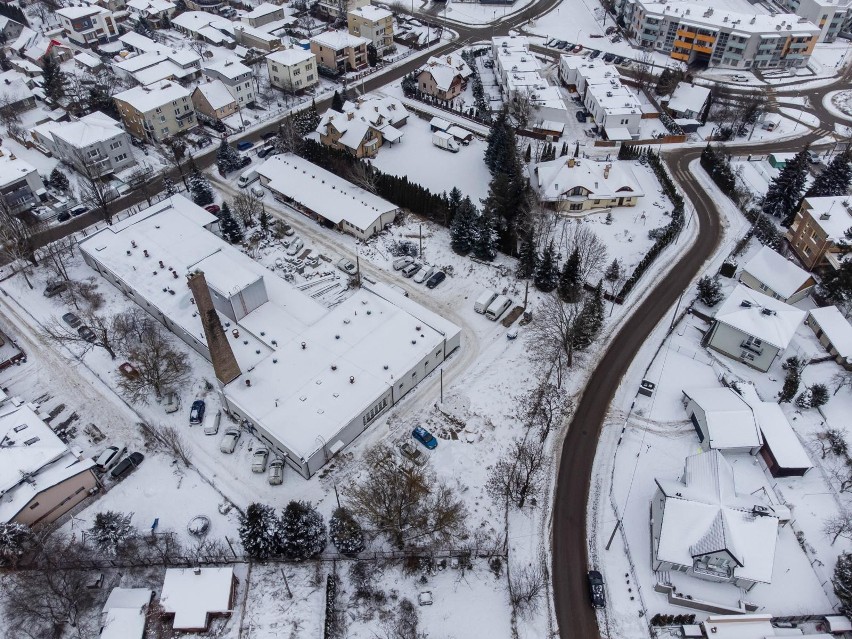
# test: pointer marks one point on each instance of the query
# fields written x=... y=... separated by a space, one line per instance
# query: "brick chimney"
x=224 y=363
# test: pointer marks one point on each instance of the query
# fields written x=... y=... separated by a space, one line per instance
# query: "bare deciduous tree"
x=838 y=526
x=519 y=474
x=526 y=587
x=168 y=439
x=593 y=254
x=406 y=502
x=17 y=238
x=363 y=175
x=832 y=440
x=247 y=206
x=105 y=332
x=94 y=191
x=544 y=407
x=551 y=335
x=160 y=367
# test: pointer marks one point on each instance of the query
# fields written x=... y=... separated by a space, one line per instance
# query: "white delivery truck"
x=497 y=307
x=445 y=141
x=248 y=176
x=482 y=302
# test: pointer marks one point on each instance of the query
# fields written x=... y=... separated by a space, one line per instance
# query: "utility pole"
x=442 y=385
x=420 y=226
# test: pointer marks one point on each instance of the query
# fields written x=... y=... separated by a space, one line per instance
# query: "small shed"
x=439 y=124
x=124 y=613
x=784 y=454
x=834 y=332
x=194 y=595
x=722 y=419
x=779 y=160
x=462 y=135
x=838 y=624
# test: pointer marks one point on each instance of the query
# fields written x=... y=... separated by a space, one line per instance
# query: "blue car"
x=424 y=437
x=196 y=413
x=245 y=145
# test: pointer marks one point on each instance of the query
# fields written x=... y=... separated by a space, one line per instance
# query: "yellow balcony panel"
x=705 y=38
x=701 y=49
x=683 y=45
x=680 y=56
x=685 y=34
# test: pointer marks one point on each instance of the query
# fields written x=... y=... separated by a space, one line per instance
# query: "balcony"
x=712 y=573
x=746 y=345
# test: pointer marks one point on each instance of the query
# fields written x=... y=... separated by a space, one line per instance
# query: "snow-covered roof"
x=372 y=13
x=288 y=57
x=329 y=195
x=776 y=272
x=88 y=60
x=216 y=93
x=123 y=615
x=780 y=437
x=703 y=514
x=688 y=97
x=439 y=123
x=602 y=180
x=148 y=98
x=193 y=594
x=74 y=13
x=836 y=328
x=90 y=129
x=339 y=40
x=730 y=421
x=760 y=316
x=15 y=85
x=230 y=68
x=357 y=118
x=195 y=20
x=151 y=7
x=832 y=213
x=214 y=34
x=442 y=75
x=13 y=169
x=263 y=9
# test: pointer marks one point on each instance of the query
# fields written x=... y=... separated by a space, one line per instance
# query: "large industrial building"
x=305 y=379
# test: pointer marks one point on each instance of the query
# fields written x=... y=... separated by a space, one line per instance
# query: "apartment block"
x=373 y=23
x=818 y=233
x=700 y=35
x=339 y=52
x=156 y=112
x=292 y=69
x=828 y=15
x=88 y=25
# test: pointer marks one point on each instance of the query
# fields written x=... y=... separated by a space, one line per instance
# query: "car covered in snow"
x=276 y=472
x=346 y=265
x=424 y=274
x=229 y=441
x=196 y=412
x=411 y=452
x=109 y=457
x=296 y=245
x=72 y=320
x=401 y=262
x=258 y=460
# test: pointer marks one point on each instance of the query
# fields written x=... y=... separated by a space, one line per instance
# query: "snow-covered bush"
x=301 y=531
x=259 y=531
x=345 y=532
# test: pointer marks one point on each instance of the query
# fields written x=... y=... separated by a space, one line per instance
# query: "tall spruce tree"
x=229 y=227
x=58 y=180
x=463 y=229
x=258 y=531
x=784 y=192
x=590 y=319
x=227 y=158
x=527 y=257
x=337 y=102
x=454 y=200
x=54 y=79
x=835 y=179
x=485 y=239
x=842 y=581
x=345 y=532
x=301 y=531
x=199 y=187
x=570 y=286
x=547 y=273
x=497 y=143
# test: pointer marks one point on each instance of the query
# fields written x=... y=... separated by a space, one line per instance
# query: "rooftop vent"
x=768 y=311
x=351 y=379
x=745 y=304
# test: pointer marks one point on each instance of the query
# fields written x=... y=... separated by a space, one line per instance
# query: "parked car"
x=295 y=246
x=577 y=48
x=55 y=288
x=258 y=192
x=258 y=460
x=276 y=472
x=596 y=589
x=269 y=135
x=813 y=158
x=737 y=77
x=412 y=453
x=205 y=142
x=245 y=145
x=126 y=465
x=288 y=230
x=196 y=412
x=424 y=274
x=109 y=457
x=266 y=150
x=410 y=270
x=346 y=265
x=561 y=44
x=424 y=437
x=87 y=334
x=72 y=320
x=618 y=59
x=581 y=116
x=229 y=441
x=211 y=422
x=594 y=54
x=213 y=208
x=63 y=217
x=436 y=279
x=78 y=210
x=401 y=262
x=608 y=57
x=626 y=63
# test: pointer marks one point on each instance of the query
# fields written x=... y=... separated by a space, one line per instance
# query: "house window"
x=115 y=145
x=274 y=68
x=310 y=77
x=34 y=506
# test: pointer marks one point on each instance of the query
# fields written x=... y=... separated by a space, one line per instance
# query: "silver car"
x=424 y=274
x=410 y=270
x=402 y=262
x=276 y=472
x=258 y=460
x=229 y=441
x=295 y=246
x=109 y=457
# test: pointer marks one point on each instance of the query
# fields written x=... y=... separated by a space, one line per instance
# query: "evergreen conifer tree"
x=527 y=257
x=231 y=231
x=785 y=190
x=301 y=531
x=791 y=379
x=58 y=180
x=570 y=286
x=110 y=531
x=463 y=227
x=613 y=272
x=345 y=532
x=454 y=200
x=227 y=158
x=53 y=78
x=547 y=274
x=528 y=154
x=485 y=237
x=843 y=581
x=590 y=319
x=835 y=179
x=337 y=102
x=264 y=220
x=710 y=290
x=199 y=187
x=819 y=395
x=258 y=531
x=169 y=186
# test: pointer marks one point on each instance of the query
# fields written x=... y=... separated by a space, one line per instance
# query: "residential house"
x=17 y=91
x=688 y=101
x=156 y=112
x=701 y=526
x=205 y=5
x=193 y=596
x=338 y=9
x=363 y=126
x=87 y=62
x=213 y=100
x=155 y=62
x=339 y=52
x=292 y=69
x=818 y=232
x=444 y=78
x=10 y=29
x=834 y=332
x=237 y=77
x=33 y=47
x=573 y=184
x=249 y=36
x=753 y=328
x=698 y=34
x=330 y=200
x=125 y=612
x=21 y=186
x=722 y=419
x=41 y=478
x=156 y=12
x=88 y=25
x=373 y=23
x=773 y=275
x=263 y=14
x=111 y=5
x=201 y=25
x=95 y=145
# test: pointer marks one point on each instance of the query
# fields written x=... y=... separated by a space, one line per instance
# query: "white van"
x=211 y=422
x=483 y=301
x=497 y=307
x=247 y=177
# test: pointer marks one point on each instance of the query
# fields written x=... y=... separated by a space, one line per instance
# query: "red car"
x=578 y=48
x=213 y=208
